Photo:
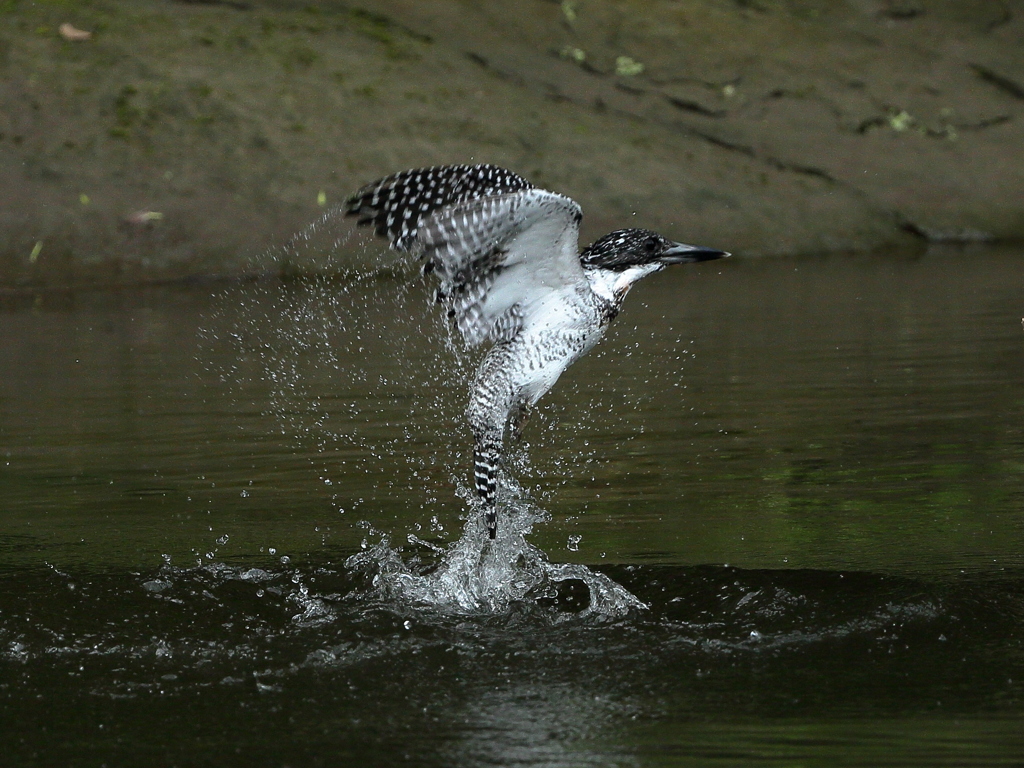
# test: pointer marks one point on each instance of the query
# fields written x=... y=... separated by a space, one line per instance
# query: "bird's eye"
x=651 y=244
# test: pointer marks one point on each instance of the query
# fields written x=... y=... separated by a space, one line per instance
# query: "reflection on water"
x=184 y=478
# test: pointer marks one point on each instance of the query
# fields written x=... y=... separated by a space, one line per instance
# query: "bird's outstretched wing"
x=499 y=246
x=397 y=204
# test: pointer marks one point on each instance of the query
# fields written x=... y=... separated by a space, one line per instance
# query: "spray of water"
x=318 y=344
x=477 y=575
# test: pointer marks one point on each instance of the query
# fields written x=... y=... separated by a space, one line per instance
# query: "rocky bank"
x=189 y=139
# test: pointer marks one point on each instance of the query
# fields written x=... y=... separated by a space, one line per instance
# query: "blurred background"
x=164 y=139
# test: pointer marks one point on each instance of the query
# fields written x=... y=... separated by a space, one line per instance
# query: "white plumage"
x=510 y=273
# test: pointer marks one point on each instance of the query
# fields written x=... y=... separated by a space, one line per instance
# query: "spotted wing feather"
x=497 y=244
x=498 y=257
x=397 y=205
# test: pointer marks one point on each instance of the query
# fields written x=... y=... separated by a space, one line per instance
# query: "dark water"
x=811 y=471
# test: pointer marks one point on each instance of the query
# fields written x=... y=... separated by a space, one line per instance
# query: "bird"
x=511 y=277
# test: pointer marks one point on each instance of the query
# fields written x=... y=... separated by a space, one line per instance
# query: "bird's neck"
x=612 y=286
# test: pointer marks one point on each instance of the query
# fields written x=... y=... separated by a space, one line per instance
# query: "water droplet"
x=573 y=544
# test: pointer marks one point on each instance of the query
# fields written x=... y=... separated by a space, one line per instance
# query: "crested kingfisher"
x=511 y=275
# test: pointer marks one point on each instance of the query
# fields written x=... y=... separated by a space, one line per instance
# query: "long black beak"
x=679 y=253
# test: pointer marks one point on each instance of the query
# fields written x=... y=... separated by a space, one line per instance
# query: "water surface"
x=810 y=470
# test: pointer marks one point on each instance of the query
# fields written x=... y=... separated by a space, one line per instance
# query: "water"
x=234 y=527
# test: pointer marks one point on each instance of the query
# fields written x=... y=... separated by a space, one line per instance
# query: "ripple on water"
x=382 y=635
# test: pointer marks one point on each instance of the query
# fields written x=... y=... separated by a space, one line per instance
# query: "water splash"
x=324 y=247
x=476 y=575
x=312 y=344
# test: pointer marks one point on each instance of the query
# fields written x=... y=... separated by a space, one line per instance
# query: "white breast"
x=561 y=328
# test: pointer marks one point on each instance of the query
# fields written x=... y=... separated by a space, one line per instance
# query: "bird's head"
x=624 y=249
x=621 y=258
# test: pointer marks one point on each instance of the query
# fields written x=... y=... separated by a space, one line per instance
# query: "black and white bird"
x=511 y=275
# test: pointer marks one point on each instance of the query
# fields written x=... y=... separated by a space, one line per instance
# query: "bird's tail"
x=486 y=460
x=491 y=521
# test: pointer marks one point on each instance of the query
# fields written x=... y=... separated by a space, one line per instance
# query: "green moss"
x=125 y=111
x=382 y=29
x=298 y=57
x=373 y=25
